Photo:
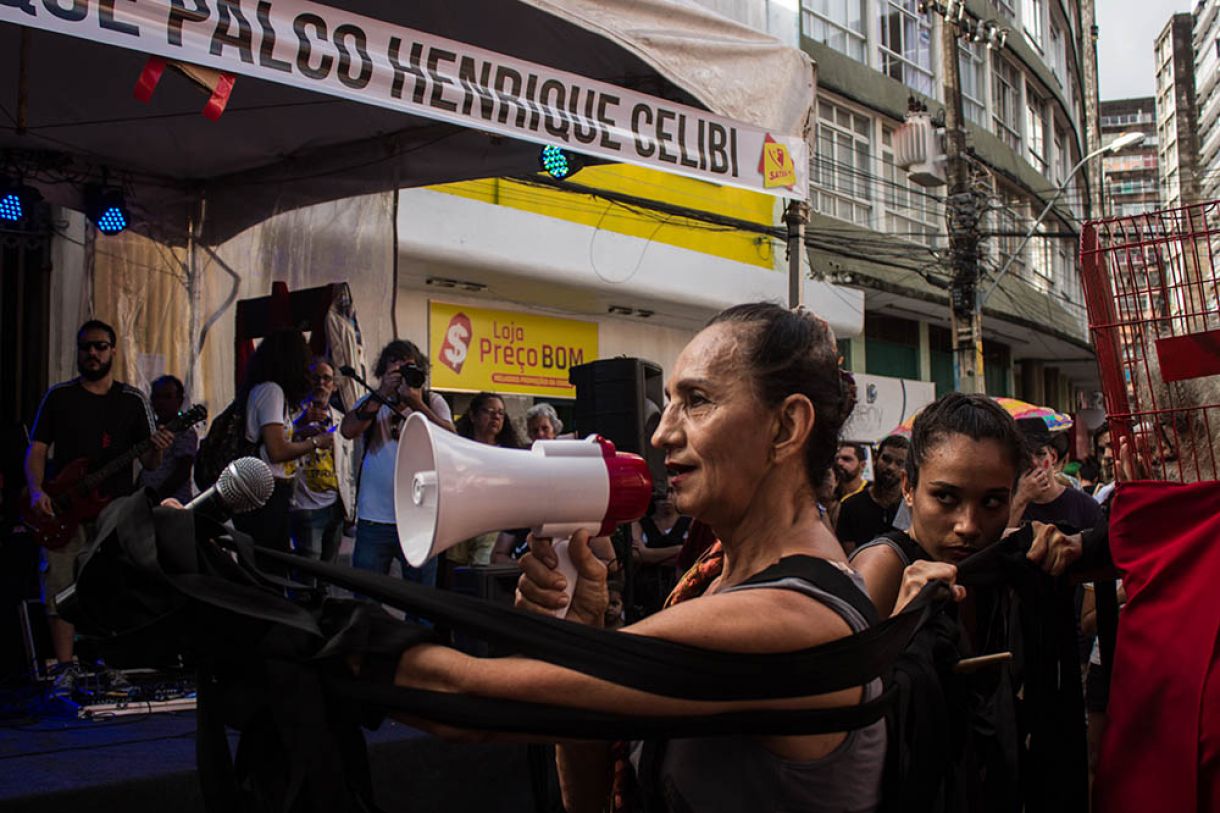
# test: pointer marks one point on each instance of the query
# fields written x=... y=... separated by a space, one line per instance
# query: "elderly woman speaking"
x=756 y=402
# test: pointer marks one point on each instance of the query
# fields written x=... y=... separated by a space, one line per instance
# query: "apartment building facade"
x=1177 y=124
x=1131 y=185
x=1025 y=104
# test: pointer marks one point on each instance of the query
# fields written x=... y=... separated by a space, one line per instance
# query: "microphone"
x=243 y=486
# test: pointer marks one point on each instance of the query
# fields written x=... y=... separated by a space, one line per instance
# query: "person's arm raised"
x=752 y=621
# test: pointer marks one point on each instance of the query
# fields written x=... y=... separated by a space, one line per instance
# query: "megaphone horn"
x=448 y=488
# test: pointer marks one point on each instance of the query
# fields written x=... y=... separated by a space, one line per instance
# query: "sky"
x=1125 y=31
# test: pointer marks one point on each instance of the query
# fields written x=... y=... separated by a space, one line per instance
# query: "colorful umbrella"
x=1055 y=421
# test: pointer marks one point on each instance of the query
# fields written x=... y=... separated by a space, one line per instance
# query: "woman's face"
x=539 y=428
x=488 y=419
x=962 y=501
x=715 y=432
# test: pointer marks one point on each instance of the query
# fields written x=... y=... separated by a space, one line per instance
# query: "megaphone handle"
x=560 y=547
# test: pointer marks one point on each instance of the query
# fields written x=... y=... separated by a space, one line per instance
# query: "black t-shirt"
x=76 y=423
x=862 y=520
x=1071 y=508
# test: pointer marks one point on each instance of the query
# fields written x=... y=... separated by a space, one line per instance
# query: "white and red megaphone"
x=448 y=488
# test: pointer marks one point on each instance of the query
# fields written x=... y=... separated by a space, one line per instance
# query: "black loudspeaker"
x=622 y=399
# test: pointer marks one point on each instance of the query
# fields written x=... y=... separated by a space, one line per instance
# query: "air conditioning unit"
x=919 y=149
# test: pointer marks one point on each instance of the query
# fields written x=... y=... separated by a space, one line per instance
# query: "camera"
x=412 y=375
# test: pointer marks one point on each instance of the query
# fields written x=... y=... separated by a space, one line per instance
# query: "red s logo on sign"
x=457 y=342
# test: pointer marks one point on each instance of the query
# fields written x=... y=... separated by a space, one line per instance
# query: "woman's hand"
x=919 y=574
x=542 y=588
x=1053 y=550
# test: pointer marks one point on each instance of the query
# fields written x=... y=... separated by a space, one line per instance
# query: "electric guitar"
x=74 y=490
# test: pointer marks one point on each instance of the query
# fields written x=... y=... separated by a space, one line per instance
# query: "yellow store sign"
x=475 y=349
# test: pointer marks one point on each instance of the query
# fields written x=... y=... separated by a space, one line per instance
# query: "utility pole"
x=795 y=218
x=963 y=212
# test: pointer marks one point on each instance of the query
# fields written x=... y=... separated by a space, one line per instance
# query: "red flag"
x=1161 y=749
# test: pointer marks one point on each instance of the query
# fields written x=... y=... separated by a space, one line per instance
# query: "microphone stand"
x=348 y=372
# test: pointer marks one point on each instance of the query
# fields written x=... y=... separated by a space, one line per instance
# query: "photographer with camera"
x=403 y=371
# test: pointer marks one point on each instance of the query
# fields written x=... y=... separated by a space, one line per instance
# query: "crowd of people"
x=333 y=468
x=760 y=487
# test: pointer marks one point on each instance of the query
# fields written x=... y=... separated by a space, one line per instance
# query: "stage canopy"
x=333 y=102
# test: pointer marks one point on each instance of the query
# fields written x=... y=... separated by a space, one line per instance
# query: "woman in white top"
x=276 y=377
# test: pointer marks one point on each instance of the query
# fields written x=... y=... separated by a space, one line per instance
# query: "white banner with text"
x=328 y=50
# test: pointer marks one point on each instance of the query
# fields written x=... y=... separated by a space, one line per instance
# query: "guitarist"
x=95 y=417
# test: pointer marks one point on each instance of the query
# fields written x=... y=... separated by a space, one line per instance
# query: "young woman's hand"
x=919 y=574
x=1053 y=550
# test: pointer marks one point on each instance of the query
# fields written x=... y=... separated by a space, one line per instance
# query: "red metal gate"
x=1151 y=289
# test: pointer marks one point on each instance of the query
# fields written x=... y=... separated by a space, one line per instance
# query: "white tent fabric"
x=729 y=68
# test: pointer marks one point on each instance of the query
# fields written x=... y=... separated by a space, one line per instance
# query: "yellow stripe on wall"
x=751 y=249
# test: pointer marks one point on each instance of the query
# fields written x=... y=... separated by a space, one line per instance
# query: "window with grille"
x=1075 y=198
x=1058 y=54
x=1035 y=131
x=1061 y=156
x=905 y=47
x=842 y=164
x=836 y=23
x=891 y=346
x=997 y=359
x=1124 y=119
x=1070 y=87
x=911 y=211
x=1041 y=258
x=974 y=87
x=1031 y=20
x=1006 y=100
x=1010 y=222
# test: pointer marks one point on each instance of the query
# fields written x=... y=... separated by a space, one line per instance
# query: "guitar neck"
x=95 y=479
x=179 y=424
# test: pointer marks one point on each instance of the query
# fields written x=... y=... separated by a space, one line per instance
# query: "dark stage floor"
x=137 y=764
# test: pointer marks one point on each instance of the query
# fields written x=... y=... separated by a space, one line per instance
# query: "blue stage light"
x=16 y=201
x=107 y=209
x=559 y=163
x=10 y=207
